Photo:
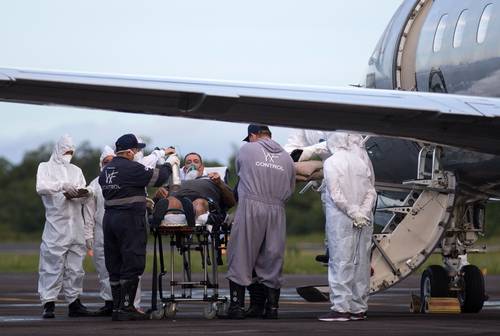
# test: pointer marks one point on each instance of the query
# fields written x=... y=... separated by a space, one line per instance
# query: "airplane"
x=430 y=100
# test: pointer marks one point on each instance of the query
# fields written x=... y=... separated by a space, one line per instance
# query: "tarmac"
x=20 y=314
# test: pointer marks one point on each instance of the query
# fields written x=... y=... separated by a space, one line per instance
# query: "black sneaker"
x=48 y=310
x=77 y=309
x=334 y=316
x=358 y=316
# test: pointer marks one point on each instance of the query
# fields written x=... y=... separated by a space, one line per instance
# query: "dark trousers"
x=125 y=238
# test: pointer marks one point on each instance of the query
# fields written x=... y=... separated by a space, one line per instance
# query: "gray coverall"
x=257 y=242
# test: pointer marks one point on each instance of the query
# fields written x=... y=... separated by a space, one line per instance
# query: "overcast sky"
x=317 y=42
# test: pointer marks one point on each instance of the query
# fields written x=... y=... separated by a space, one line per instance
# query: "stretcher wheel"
x=210 y=311
x=171 y=310
x=158 y=314
x=222 y=307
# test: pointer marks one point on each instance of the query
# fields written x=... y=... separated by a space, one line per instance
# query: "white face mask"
x=191 y=175
x=67 y=158
x=138 y=156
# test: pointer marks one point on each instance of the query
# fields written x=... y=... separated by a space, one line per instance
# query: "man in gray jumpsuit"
x=257 y=244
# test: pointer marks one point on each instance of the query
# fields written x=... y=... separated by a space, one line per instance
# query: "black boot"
x=48 y=310
x=236 y=310
x=273 y=297
x=116 y=292
x=77 y=309
x=257 y=293
x=127 y=311
x=105 y=310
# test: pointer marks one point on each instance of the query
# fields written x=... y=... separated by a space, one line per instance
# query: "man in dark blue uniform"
x=123 y=182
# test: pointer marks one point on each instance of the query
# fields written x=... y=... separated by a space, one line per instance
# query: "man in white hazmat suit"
x=94 y=236
x=350 y=184
x=305 y=145
x=93 y=212
x=61 y=186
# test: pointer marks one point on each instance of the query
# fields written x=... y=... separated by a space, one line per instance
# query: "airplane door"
x=407 y=51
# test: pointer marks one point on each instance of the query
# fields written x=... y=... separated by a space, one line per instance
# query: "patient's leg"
x=200 y=206
x=174 y=203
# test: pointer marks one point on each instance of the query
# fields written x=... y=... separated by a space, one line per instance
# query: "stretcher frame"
x=184 y=240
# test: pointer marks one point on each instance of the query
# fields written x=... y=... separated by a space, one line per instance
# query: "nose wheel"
x=435 y=283
x=473 y=295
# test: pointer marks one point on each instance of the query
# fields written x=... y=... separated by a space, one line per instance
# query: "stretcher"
x=207 y=240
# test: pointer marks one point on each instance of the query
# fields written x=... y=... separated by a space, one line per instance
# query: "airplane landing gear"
x=467 y=286
x=472 y=295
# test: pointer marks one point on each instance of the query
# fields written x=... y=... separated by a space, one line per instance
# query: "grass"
x=298 y=259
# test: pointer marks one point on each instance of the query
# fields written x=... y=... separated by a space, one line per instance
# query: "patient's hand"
x=215 y=178
x=161 y=193
x=169 y=150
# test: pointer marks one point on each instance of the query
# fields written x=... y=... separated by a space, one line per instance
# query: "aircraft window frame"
x=458 y=36
x=439 y=33
x=484 y=23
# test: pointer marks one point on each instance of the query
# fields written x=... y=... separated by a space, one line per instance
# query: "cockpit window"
x=438 y=37
x=460 y=29
x=482 y=30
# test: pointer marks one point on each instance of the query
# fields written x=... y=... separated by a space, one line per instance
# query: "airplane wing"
x=468 y=122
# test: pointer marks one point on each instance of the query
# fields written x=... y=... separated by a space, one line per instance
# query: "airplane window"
x=438 y=37
x=482 y=30
x=460 y=29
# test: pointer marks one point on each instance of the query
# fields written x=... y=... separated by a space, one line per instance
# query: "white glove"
x=89 y=243
x=70 y=189
x=307 y=154
x=173 y=160
x=314 y=150
x=360 y=221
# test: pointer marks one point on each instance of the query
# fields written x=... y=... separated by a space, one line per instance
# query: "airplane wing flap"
x=468 y=122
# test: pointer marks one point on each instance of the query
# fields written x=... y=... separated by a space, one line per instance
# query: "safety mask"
x=191 y=172
x=138 y=156
x=191 y=175
x=67 y=158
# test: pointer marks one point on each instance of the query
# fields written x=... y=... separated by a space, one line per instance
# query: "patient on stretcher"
x=201 y=199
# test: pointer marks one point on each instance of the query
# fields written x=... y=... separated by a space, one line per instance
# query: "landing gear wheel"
x=434 y=283
x=171 y=310
x=210 y=311
x=473 y=296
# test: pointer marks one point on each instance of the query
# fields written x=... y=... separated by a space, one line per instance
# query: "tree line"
x=22 y=213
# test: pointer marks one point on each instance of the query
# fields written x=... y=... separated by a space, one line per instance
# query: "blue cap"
x=128 y=141
x=255 y=129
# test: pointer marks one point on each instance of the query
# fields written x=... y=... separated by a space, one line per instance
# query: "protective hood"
x=107 y=151
x=342 y=140
x=64 y=144
x=270 y=145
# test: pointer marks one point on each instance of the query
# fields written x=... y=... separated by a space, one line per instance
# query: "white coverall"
x=350 y=184
x=63 y=247
x=312 y=143
x=94 y=214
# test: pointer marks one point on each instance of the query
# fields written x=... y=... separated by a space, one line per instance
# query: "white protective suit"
x=63 y=247
x=350 y=184
x=313 y=143
x=93 y=212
